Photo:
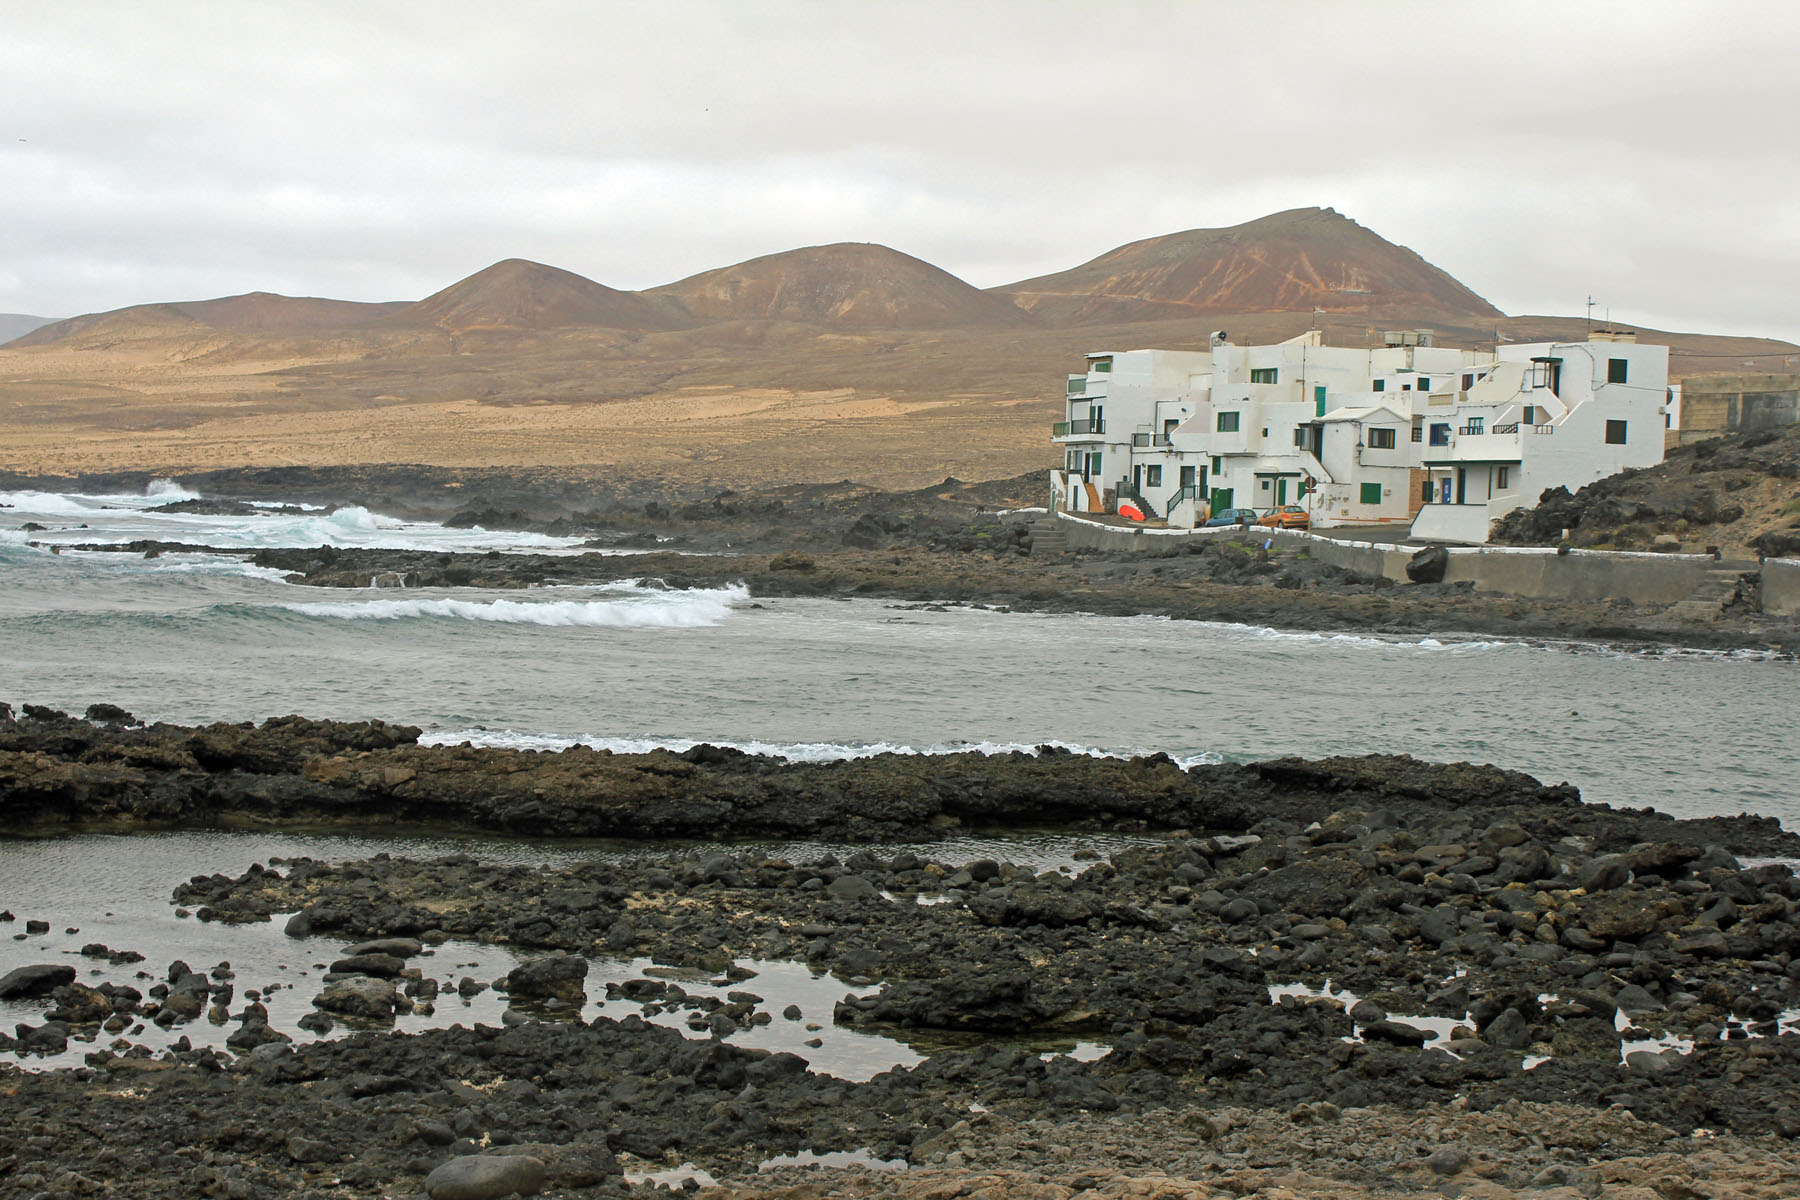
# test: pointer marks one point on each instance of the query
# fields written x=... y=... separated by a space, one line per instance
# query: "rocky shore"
x=955 y=542
x=1350 y=977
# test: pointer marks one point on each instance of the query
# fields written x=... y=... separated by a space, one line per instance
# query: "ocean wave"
x=638 y=609
x=167 y=491
x=508 y=739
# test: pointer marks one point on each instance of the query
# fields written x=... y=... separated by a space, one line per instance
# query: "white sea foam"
x=117 y=519
x=508 y=739
x=635 y=608
x=166 y=491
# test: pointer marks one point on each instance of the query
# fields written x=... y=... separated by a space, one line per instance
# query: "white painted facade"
x=1447 y=439
x=1550 y=414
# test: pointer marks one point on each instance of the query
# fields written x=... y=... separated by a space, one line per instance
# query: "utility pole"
x=1587 y=329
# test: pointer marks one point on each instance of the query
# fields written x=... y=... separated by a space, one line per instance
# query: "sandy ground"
x=748 y=437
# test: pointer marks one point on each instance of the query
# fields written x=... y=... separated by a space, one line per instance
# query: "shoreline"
x=1510 y=954
x=952 y=543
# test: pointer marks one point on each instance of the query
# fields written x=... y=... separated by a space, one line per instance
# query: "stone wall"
x=1521 y=571
x=1781 y=587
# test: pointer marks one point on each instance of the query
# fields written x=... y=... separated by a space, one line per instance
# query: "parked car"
x=1232 y=516
x=1288 y=516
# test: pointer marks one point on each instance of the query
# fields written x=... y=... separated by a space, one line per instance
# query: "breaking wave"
x=639 y=608
x=508 y=739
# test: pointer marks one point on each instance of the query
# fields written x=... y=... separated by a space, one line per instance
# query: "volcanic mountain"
x=849 y=285
x=1291 y=261
x=253 y=312
x=516 y=294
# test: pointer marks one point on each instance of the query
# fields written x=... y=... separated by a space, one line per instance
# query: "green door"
x=1280 y=492
x=1319 y=400
x=1221 y=500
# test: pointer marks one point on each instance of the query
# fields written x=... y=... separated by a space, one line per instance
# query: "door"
x=1221 y=500
x=1280 y=492
x=1445 y=492
x=1462 y=485
x=1137 y=479
x=1319 y=400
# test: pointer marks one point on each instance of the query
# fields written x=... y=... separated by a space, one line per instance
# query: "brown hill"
x=254 y=312
x=1291 y=261
x=849 y=285
x=517 y=294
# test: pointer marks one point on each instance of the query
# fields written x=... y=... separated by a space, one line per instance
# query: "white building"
x=1389 y=434
x=1550 y=414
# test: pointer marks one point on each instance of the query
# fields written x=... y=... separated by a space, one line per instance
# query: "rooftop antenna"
x=1587 y=327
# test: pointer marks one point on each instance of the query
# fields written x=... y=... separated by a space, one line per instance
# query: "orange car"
x=1288 y=516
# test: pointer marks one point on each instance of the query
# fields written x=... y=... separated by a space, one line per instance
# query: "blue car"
x=1231 y=516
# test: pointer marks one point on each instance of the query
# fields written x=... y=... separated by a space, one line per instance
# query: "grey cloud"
x=381 y=150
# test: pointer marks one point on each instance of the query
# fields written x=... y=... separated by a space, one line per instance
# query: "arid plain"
x=850 y=361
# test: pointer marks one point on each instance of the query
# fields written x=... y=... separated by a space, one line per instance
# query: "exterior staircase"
x=1708 y=599
x=1047 y=537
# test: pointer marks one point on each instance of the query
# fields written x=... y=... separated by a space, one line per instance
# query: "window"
x=1371 y=493
x=1299 y=435
x=1264 y=374
x=1528 y=415
x=1477 y=425
x=1381 y=439
x=1319 y=400
x=1153 y=476
x=1615 y=433
x=1615 y=370
x=1440 y=434
x=1418 y=431
x=1169 y=424
x=1101 y=366
x=1502 y=478
x=1424 y=383
x=1218 y=465
x=1265 y=485
x=1425 y=492
x=1381 y=385
x=1228 y=422
x=1468 y=381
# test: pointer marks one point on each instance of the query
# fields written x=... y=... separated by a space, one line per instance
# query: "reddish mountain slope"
x=516 y=294
x=850 y=285
x=1288 y=262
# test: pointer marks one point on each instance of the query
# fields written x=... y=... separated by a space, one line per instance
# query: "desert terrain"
x=826 y=363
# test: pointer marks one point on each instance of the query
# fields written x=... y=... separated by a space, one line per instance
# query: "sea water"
x=196 y=637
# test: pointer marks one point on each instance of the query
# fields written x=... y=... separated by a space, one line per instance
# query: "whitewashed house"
x=1549 y=414
x=1120 y=412
x=1408 y=431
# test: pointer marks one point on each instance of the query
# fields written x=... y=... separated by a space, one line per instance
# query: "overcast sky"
x=1647 y=153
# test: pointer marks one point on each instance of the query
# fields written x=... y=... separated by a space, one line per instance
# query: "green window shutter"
x=1319 y=400
x=1371 y=493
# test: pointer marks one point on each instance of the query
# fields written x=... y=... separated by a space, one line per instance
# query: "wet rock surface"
x=1363 y=977
x=59 y=772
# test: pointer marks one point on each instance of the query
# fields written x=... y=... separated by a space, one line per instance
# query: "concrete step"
x=1047 y=537
x=1708 y=599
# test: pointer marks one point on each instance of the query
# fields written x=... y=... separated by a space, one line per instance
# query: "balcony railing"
x=1509 y=427
x=1071 y=428
x=1140 y=440
x=1543 y=429
x=1189 y=492
x=1468 y=430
